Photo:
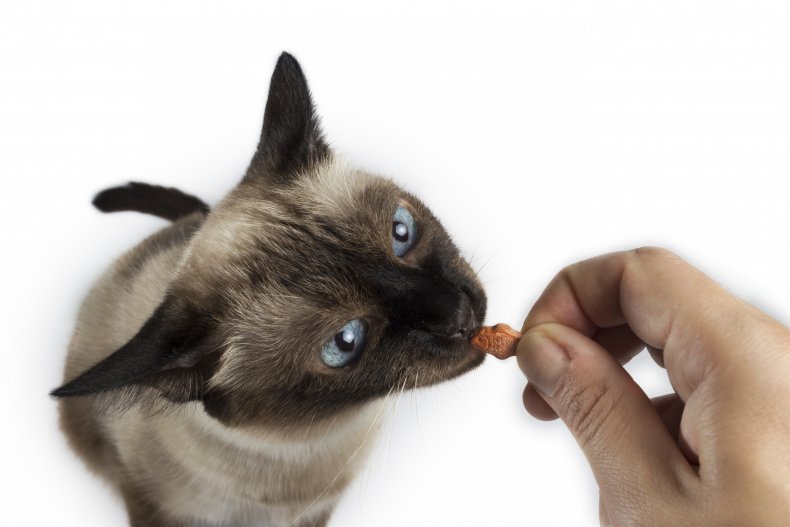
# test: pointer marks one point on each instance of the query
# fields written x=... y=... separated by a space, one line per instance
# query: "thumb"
x=631 y=453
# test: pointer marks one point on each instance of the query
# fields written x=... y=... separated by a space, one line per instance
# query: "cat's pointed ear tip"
x=287 y=60
x=63 y=391
x=73 y=388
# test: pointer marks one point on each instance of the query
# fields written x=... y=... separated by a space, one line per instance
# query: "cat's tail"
x=168 y=203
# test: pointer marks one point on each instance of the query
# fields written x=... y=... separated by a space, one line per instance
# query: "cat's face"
x=313 y=287
x=349 y=287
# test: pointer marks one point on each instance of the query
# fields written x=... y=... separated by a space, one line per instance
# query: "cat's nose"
x=464 y=322
x=451 y=316
x=456 y=322
x=432 y=305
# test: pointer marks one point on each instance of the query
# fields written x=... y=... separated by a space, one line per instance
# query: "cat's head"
x=311 y=288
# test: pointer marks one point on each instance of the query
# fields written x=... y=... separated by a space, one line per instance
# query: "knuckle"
x=651 y=253
x=566 y=273
x=588 y=410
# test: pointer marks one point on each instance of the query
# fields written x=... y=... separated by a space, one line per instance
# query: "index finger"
x=656 y=293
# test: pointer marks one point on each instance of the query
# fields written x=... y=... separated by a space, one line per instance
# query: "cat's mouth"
x=447 y=349
x=451 y=357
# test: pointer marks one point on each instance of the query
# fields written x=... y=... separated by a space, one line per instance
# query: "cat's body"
x=180 y=458
x=201 y=381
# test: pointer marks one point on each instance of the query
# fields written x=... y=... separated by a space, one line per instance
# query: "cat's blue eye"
x=404 y=231
x=345 y=346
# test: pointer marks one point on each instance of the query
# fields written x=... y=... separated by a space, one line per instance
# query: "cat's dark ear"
x=291 y=139
x=171 y=352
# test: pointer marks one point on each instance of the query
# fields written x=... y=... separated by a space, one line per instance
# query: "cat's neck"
x=334 y=434
x=247 y=473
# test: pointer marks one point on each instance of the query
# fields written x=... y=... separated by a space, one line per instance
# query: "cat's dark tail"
x=168 y=203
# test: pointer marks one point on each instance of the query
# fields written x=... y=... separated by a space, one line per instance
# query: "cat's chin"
x=471 y=360
x=464 y=358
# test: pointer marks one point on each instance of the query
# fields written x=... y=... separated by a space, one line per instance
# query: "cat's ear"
x=171 y=352
x=291 y=139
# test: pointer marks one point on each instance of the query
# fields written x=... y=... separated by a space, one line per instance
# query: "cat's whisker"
x=388 y=443
x=472 y=258
x=414 y=395
x=391 y=428
x=394 y=412
x=328 y=428
x=480 y=269
x=416 y=406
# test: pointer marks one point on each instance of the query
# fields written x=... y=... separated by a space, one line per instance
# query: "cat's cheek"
x=471 y=360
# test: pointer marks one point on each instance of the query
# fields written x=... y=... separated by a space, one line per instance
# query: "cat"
x=230 y=369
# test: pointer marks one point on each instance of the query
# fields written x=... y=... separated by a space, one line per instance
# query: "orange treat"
x=500 y=341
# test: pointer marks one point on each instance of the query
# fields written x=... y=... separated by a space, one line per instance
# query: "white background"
x=540 y=132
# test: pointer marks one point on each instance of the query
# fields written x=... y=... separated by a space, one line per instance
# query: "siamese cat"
x=228 y=370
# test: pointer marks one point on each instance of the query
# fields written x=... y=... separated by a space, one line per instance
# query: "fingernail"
x=543 y=361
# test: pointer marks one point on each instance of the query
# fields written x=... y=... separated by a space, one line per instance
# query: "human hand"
x=717 y=452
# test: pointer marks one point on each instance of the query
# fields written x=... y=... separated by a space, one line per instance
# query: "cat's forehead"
x=331 y=190
x=333 y=184
x=336 y=188
x=335 y=217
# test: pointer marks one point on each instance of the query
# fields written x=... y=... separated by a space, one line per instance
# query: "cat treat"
x=500 y=340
